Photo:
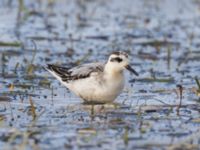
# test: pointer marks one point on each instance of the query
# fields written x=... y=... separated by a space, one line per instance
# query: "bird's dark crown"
x=118 y=53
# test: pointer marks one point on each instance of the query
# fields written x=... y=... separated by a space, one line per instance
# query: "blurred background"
x=159 y=109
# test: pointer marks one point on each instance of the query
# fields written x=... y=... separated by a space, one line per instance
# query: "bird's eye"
x=116 y=59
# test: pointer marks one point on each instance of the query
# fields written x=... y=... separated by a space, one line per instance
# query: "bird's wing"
x=79 y=72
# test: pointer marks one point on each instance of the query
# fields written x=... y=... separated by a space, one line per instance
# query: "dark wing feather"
x=60 y=71
x=78 y=72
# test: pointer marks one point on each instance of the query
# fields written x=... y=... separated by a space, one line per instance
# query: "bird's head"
x=118 y=61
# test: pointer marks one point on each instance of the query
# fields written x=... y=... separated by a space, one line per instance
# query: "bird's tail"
x=61 y=73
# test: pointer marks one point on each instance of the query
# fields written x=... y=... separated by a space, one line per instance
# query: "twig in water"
x=180 y=96
x=31 y=67
x=125 y=136
x=168 y=57
x=52 y=95
x=33 y=112
x=11 y=112
x=2 y=64
x=35 y=50
x=71 y=41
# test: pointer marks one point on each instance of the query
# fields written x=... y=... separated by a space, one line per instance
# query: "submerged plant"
x=198 y=86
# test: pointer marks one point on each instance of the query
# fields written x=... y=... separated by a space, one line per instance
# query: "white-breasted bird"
x=95 y=82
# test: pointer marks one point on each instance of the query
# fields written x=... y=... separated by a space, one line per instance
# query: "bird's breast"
x=115 y=84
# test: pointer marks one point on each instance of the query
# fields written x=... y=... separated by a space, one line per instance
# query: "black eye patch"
x=116 y=59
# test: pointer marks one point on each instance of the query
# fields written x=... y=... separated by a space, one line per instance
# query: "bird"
x=97 y=82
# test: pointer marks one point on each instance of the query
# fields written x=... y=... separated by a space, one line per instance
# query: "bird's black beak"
x=131 y=70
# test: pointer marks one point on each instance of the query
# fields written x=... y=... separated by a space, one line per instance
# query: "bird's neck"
x=112 y=72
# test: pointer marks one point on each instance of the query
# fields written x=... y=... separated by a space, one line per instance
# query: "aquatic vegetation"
x=10 y=44
x=198 y=86
x=162 y=39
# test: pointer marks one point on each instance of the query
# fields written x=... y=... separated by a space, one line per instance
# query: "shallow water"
x=162 y=38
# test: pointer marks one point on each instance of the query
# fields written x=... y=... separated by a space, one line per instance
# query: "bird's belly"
x=91 y=90
x=99 y=95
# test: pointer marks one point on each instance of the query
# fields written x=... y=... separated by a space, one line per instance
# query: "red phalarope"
x=95 y=82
